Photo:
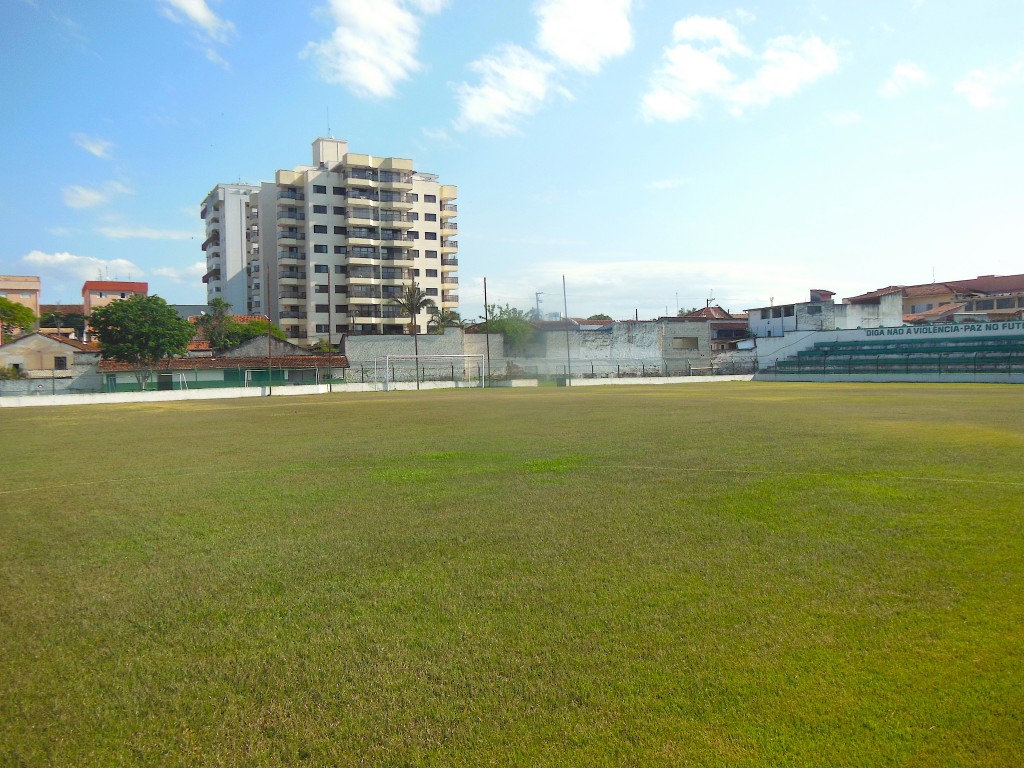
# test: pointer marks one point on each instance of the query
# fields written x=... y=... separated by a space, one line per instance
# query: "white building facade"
x=329 y=245
x=225 y=212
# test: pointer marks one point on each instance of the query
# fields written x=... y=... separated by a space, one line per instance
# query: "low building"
x=986 y=293
x=880 y=309
x=51 y=363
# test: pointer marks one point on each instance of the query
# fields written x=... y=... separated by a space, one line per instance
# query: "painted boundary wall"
x=772 y=348
x=114 y=398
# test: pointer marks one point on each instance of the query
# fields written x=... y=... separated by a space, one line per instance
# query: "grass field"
x=737 y=574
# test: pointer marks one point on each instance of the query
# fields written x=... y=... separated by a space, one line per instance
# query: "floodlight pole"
x=270 y=361
x=568 y=359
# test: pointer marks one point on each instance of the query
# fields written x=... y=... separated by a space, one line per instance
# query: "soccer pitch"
x=733 y=574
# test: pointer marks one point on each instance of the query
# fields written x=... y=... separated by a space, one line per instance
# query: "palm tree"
x=445 y=318
x=412 y=302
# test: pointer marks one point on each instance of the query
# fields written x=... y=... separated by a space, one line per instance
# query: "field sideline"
x=732 y=574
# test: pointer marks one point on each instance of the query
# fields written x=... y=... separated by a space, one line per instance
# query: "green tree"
x=64 y=320
x=10 y=373
x=512 y=323
x=445 y=318
x=601 y=317
x=413 y=301
x=14 y=315
x=216 y=325
x=140 y=331
x=251 y=329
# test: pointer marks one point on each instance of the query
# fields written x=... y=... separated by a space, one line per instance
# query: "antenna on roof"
x=329 y=134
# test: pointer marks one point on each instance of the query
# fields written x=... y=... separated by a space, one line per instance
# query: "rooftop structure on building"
x=925 y=302
x=328 y=246
x=99 y=293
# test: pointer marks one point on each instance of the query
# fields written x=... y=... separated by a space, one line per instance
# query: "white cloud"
x=745 y=16
x=514 y=83
x=94 y=145
x=983 y=87
x=63 y=266
x=695 y=69
x=584 y=34
x=76 y=196
x=374 y=45
x=198 y=14
x=145 y=233
x=189 y=274
x=904 y=76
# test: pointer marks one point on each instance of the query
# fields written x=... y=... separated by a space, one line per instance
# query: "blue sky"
x=655 y=153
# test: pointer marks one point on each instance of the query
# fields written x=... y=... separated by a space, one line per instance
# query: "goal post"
x=467 y=369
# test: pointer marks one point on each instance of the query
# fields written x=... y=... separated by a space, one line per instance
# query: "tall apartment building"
x=225 y=211
x=332 y=243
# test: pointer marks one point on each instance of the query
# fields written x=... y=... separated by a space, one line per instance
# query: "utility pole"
x=536 y=297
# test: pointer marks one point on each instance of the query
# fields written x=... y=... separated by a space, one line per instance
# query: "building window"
x=788 y=311
x=415 y=273
x=319 y=189
x=413 y=197
x=319 y=289
x=320 y=229
x=339 y=289
x=322 y=268
x=431 y=291
x=339 y=249
x=341 y=308
x=413 y=216
x=338 y=190
x=430 y=198
x=337 y=230
x=765 y=314
x=430 y=217
x=323 y=308
x=814 y=310
x=322 y=328
x=684 y=342
x=319 y=209
x=339 y=329
x=431 y=273
x=319 y=249
x=431 y=254
x=60 y=363
x=430 y=235
x=413 y=235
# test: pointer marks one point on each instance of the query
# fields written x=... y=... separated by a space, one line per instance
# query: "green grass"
x=736 y=574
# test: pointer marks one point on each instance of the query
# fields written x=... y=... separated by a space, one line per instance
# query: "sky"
x=657 y=154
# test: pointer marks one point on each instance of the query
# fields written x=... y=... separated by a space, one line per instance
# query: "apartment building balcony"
x=291 y=314
x=292 y=295
x=213 y=239
x=396 y=219
x=360 y=177
x=449 y=262
x=213 y=276
x=202 y=212
x=364 y=196
x=396 y=200
x=290 y=236
x=449 y=279
x=364 y=293
x=291 y=278
x=449 y=246
x=395 y=180
x=361 y=215
x=449 y=298
x=449 y=210
x=291 y=215
x=395 y=236
x=289 y=194
x=448 y=227
x=291 y=256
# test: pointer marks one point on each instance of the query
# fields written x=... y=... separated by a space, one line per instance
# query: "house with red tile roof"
x=988 y=293
x=53 y=359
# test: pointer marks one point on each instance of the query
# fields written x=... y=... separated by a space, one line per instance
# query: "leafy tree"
x=240 y=333
x=216 y=324
x=61 y=320
x=10 y=373
x=685 y=312
x=597 y=317
x=14 y=315
x=512 y=323
x=141 y=331
x=445 y=318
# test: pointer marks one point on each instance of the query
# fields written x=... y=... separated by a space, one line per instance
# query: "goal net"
x=460 y=370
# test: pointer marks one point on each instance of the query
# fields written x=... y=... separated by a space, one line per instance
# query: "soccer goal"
x=460 y=370
x=180 y=377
